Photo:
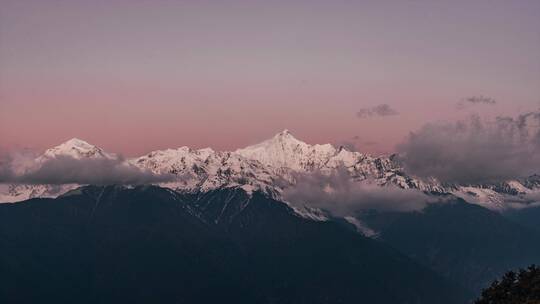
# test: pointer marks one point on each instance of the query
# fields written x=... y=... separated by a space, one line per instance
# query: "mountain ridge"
x=269 y=167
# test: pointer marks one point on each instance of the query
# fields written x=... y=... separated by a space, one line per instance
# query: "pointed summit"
x=285 y=136
x=76 y=148
x=285 y=132
x=76 y=142
x=285 y=151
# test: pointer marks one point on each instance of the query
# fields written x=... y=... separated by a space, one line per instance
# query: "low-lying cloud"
x=379 y=110
x=69 y=170
x=474 y=151
x=340 y=195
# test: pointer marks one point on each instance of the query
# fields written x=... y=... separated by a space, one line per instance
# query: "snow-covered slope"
x=77 y=149
x=19 y=192
x=502 y=196
x=206 y=169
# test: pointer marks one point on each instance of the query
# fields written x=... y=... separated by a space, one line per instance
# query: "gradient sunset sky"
x=135 y=76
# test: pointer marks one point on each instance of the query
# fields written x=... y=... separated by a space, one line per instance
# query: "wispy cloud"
x=376 y=111
x=475 y=100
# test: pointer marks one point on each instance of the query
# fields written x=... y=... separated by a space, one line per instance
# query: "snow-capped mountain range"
x=269 y=166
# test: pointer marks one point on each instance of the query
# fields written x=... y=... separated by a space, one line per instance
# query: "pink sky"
x=136 y=76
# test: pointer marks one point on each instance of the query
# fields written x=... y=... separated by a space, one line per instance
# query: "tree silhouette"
x=522 y=287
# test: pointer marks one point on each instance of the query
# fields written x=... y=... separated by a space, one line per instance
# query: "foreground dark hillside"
x=151 y=245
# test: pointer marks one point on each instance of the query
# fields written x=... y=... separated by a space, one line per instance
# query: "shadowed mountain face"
x=109 y=245
x=463 y=242
x=149 y=244
x=529 y=217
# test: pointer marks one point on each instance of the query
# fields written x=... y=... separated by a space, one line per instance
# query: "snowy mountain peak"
x=283 y=154
x=76 y=148
x=284 y=136
x=76 y=142
x=285 y=151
